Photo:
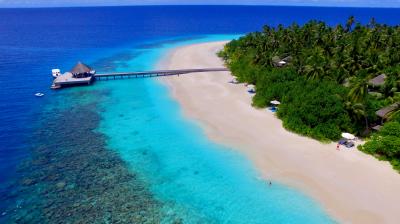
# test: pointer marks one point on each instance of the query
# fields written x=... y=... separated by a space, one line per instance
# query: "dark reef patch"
x=73 y=178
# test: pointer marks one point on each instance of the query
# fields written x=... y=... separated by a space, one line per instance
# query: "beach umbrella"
x=348 y=136
x=275 y=102
x=282 y=62
x=234 y=81
x=251 y=86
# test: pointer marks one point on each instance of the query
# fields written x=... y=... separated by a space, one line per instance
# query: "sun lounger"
x=273 y=109
x=349 y=144
x=342 y=141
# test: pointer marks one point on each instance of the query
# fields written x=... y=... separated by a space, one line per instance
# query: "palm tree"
x=358 y=112
x=350 y=23
x=315 y=64
x=358 y=91
x=372 y=23
x=313 y=72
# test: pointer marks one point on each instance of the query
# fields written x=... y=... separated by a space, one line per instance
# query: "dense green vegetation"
x=324 y=85
x=385 y=144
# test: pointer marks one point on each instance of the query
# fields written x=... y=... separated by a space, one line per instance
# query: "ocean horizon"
x=121 y=150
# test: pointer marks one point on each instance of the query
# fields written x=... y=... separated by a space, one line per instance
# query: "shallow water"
x=197 y=180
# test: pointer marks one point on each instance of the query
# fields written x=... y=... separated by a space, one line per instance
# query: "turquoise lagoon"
x=196 y=180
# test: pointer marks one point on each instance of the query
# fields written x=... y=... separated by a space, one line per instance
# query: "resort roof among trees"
x=378 y=81
x=386 y=110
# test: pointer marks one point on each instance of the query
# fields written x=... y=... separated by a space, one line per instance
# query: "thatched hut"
x=278 y=62
x=288 y=59
x=385 y=112
x=81 y=70
x=377 y=81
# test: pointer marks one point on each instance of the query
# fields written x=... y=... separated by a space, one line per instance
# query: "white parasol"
x=348 y=136
x=275 y=102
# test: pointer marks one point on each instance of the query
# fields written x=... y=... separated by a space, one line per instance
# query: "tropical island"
x=329 y=80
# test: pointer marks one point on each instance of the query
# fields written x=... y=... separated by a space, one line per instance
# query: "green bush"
x=385 y=144
x=315 y=107
x=391 y=129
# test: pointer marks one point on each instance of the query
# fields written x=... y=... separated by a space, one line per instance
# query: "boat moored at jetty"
x=56 y=72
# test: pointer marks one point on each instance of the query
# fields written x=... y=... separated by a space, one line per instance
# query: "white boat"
x=55 y=72
x=39 y=94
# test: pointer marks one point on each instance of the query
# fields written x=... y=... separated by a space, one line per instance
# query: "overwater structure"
x=82 y=74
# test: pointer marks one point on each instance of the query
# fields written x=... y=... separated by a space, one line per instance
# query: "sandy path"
x=352 y=186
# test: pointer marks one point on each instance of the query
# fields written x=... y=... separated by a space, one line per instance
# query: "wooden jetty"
x=85 y=75
x=155 y=73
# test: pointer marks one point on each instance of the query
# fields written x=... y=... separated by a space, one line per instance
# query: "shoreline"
x=351 y=186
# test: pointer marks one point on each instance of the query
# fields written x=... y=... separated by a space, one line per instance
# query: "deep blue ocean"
x=120 y=151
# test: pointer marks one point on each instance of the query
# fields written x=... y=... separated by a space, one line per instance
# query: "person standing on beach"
x=337 y=147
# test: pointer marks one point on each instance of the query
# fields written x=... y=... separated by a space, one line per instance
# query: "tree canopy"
x=321 y=74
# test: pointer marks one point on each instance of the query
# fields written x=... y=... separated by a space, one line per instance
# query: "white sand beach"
x=353 y=187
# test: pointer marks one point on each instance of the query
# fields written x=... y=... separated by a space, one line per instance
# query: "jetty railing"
x=145 y=74
x=68 y=80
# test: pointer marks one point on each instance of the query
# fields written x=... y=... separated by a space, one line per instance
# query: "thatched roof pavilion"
x=278 y=62
x=288 y=59
x=80 y=68
x=384 y=112
x=378 y=81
